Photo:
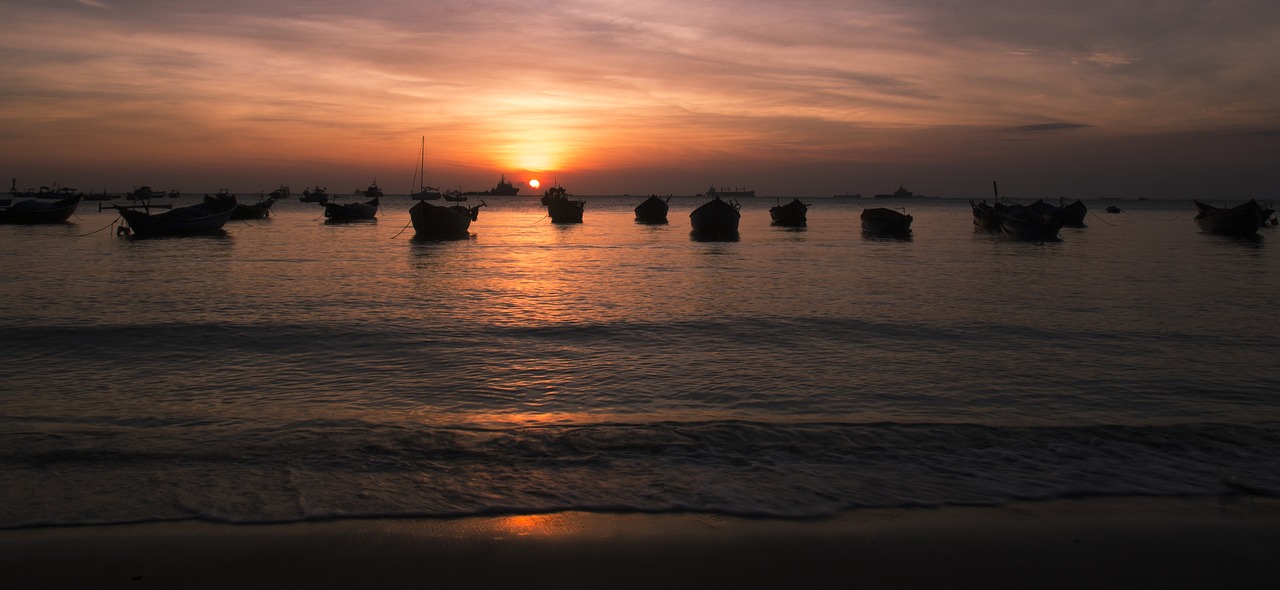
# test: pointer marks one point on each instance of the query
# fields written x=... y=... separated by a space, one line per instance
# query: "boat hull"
x=885 y=221
x=440 y=222
x=352 y=211
x=1242 y=220
x=563 y=210
x=652 y=210
x=1028 y=224
x=193 y=220
x=715 y=218
x=793 y=214
x=35 y=212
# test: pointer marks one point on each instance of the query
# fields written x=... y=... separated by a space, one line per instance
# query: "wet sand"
x=1113 y=543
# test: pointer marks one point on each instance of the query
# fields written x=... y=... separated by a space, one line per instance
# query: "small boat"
x=207 y=217
x=314 y=195
x=560 y=208
x=455 y=196
x=880 y=220
x=280 y=193
x=1113 y=209
x=1242 y=220
x=142 y=193
x=1071 y=215
x=373 y=192
x=32 y=212
x=793 y=214
x=716 y=219
x=442 y=222
x=985 y=217
x=351 y=211
x=652 y=210
x=1026 y=222
x=259 y=210
x=423 y=193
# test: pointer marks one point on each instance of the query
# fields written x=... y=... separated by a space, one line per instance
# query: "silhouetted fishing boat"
x=1071 y=215
x=32 y=212
x=351 y=211
x=793 y=214
x=880 y=220
x=1025 y=222
x=314 y=195
x=206 y=217
x=560 y=207
x=1113 y=209
x=716 y=218
x=504 y=189
x=1242 y=220
x=259 y=210
x=652 y=210
x=985 y=217
x=442 y=222
x=142 y=193
x=373 y=192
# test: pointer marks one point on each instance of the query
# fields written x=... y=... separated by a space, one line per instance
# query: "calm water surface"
x=293 y=370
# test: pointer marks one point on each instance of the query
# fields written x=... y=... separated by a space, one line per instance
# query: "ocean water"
x=292 y=370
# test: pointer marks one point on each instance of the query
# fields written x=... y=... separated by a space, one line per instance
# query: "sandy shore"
x=1124 y=543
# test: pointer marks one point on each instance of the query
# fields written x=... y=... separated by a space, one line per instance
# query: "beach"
x=1090 y=543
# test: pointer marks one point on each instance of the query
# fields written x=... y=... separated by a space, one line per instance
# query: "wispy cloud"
x=601 y=84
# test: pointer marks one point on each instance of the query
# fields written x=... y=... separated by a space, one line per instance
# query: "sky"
x=1052 y=98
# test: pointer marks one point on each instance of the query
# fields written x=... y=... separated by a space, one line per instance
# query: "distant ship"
x=725 y=192
x=901 y=193
x=504 y=189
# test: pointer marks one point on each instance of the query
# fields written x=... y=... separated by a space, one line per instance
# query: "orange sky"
x=804 y=98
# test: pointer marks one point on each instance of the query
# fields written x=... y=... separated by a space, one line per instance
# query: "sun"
x=534 y=184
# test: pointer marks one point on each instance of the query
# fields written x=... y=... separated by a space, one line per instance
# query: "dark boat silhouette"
x=352 y=211
x=31 y=212
x=560 y=207
x=1242 y=220
x=716 y=219
x=883 y=221
x=793 y=214
x=442 y=222
x=652 y=210
x=207 y=217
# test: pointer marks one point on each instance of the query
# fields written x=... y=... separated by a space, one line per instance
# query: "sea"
x=292 y=370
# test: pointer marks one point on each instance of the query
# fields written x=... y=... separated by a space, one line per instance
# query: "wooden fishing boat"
x=351 y=211
x=793 y=214
x=206 y=217
x=1071 y=215
x=716 y=218
x=259 y=210
x=439 y=222
x=881 y=220
x=985 y=217
x=1242 y=220
x=1025 y=222
x=560 y=207
x=652 y=210
x=37 y=212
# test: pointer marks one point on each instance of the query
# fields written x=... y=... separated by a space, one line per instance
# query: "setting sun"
x=534 y=184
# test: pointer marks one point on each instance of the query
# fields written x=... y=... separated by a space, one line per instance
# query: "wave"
x=320 y=469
